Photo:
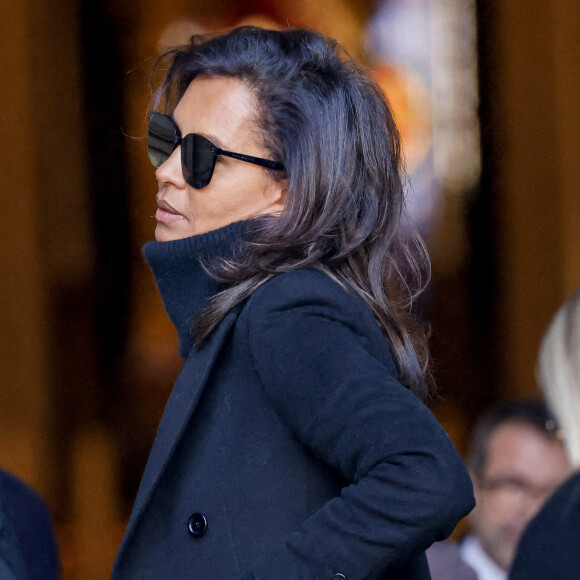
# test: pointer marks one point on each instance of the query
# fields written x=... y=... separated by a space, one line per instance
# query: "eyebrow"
x=213 y=138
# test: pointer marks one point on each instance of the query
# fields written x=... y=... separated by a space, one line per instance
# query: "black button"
x=338 y=576
x=197 y=525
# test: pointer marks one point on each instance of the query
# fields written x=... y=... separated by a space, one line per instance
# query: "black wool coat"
x=289 y=451
x=549 y=548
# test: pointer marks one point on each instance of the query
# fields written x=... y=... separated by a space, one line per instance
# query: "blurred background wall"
x=487 y=95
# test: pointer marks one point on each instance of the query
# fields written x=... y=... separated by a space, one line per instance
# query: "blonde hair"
x=559 y=372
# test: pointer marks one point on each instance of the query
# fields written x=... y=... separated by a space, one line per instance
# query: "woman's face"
x=223 y=111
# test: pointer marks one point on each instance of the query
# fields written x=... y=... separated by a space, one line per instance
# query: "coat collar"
x=181 y=267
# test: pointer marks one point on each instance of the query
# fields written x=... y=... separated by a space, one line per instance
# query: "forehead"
x=218 y=107
x=522 y=450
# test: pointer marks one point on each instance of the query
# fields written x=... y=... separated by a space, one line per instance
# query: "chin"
x=165 y=233
x=160 y=234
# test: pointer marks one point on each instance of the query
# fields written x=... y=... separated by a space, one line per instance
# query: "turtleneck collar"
x=184 y=284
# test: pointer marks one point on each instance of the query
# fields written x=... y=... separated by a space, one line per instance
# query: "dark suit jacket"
x=11 y=562
x=27 y=541
x=297 y=453
x=550 y=546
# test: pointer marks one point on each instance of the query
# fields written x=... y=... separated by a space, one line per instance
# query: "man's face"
x=523 y=467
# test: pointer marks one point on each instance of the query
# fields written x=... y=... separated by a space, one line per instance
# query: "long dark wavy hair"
x=330 y=125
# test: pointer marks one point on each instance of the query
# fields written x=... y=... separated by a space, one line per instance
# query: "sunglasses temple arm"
x=249 y=159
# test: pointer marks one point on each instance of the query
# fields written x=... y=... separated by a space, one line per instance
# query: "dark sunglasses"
x=198 y=154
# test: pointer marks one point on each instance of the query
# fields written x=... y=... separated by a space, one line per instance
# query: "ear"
x=275 y=196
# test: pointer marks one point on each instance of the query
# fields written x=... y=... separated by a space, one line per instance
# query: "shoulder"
x=562 y=510
x=303 y=280
x=568 y=498
x=32 y=524
x=308 y=305
x=550 y=541
x=310 y=289
x=18 y=494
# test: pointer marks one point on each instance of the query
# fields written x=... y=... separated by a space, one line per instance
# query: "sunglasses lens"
x=198 y=159
x=162 y=138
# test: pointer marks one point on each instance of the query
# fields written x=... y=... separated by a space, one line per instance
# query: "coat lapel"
x=180 y=407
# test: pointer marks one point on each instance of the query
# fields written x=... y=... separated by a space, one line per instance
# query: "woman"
x=549 y=547
x=294 y=443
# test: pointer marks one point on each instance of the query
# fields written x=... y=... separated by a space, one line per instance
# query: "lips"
x=166 y=213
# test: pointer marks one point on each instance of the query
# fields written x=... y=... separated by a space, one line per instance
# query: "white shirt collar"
x=473 y=554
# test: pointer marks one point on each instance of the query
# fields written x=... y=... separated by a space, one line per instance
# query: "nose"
x=169 y=172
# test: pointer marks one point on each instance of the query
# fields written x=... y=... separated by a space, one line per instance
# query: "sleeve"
x=408 y=488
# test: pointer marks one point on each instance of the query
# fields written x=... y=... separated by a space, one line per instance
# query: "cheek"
x=488 y=514
x=230 y=202
x=211 y=207
x=242 y=195
x=234 y=193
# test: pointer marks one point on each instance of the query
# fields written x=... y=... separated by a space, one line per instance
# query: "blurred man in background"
x=516 y=461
